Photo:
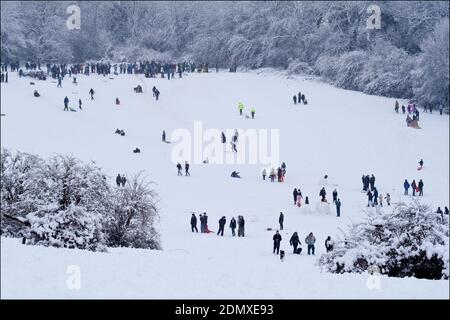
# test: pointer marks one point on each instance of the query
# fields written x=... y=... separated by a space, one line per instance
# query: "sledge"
x=111 y=78
x=3 y=114
x=167 y=142
x=419 y=168
x=298 y=251
x=32 y=83
x=73 y=110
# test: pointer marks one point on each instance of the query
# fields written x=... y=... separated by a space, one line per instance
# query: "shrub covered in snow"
x=64 y=202
x=133 y=214
x=410 y=241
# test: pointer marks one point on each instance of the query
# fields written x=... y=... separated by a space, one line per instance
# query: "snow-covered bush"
x=131 y=222
x=410 y=241
x=64 y=202
x=21 y=189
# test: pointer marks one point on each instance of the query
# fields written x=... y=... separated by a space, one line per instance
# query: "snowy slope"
x=340 y=133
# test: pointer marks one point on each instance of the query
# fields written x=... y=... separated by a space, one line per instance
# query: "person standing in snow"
x=241 y=226
x=186 y=168
x=124 y=180
x=253 y=111
x=91 y=92
x=375 y=196
x=233 y=226
x=163 y=136
x=272 y=175
x=295 y=194
x=420 y=185
x=202 y=223
x=310 y=240
x=380 y=198
x=281 y=220
x=440 y=108
x=118 y=180
x=59 y=82
x=276 y=242
x=264 y=173
x=66 y=104
x=323 y=193
x=295 y=99
x=406 y=186
x=299 y=97
x=222 y=222
x=369 y=199
x=388 y=199
x=421 y=163
x=396 y=106
x=295 y=242
x=194 y=223
x=338 y=207
x=335 y=194
x=329 y=244
x=179 y=169
x=413 y=187
x=224 y=139
x=79 y=103
x=372 y=182
x=240 y=108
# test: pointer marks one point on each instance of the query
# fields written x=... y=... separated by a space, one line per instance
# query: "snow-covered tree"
x=65 y=202
x=131 y=222
x=410 y=241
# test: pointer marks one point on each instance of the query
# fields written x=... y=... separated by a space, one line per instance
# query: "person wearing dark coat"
x=124 y=180
x=303 y=98
x=224 y=139
x=372 y=182
x=281 y=220
x=338 y=207
x=6 y=80
x=329 y=244
x=179 y=169
x=79 y=103
x=222 y=222
x=446 y=210
x=335 y=194
x=413 y=187
x=164 y=136
x=276 y=242
x=91 y=92
x=369 y=198
x=295 y=193
x=66 y=104
x=406 y=186
x=233 y=226
x=202 y=223
x=295 y=99
x=322 y=193
x=420 y=185
x=306 y=200
x=118 y=180
x=403 y=109
x=194 y=223
x=241 y=226
x=186 y=168
x=295 y=242
x=375 y=196
x=36 y=94
x=421 y=163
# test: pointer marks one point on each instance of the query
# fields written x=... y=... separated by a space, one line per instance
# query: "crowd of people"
x=239 y=224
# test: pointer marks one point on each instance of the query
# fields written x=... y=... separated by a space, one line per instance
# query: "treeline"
x=407 y=57
x=64 y=202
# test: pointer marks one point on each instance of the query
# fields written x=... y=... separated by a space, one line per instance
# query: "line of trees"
x=64 y=202
x=407 y=57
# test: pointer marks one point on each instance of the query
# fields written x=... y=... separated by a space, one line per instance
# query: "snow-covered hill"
x=343 y=134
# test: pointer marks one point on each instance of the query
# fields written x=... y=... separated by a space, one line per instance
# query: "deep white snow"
x=344 y=134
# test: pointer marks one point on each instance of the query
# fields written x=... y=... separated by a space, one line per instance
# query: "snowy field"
x=341 y=133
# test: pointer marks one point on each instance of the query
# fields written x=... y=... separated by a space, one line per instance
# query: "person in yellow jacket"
x=253 y=111
x=240 y=107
